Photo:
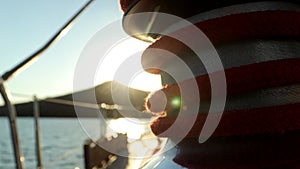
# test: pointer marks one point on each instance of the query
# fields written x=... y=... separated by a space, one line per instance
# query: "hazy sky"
x=26 y=25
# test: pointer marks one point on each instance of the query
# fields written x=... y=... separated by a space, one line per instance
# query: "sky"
x=27 y=25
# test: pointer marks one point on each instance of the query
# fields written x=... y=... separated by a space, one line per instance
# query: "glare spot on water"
x=133 y=130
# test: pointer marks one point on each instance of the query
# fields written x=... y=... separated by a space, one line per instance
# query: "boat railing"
x=19 y=159
x=36 y=115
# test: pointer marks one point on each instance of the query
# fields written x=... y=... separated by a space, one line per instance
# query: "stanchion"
x=19 y=159
x=37 y=133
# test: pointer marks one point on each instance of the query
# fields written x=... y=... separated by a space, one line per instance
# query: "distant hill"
x=61 y=106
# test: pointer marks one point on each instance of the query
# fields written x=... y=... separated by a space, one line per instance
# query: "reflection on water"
x=142 y=144
x=139 y=145
x=62 y=141
x=134 y=128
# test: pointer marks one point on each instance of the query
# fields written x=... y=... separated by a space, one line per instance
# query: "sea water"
x=61 y=142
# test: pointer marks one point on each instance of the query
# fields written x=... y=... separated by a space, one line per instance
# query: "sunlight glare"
x=116 y=57
x=124 y=125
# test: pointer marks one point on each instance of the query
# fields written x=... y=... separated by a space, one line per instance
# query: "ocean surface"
x=61 y=142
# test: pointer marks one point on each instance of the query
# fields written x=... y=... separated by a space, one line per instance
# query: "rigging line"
x=77 y=103
x=73 y=103
x=35 y=55
x=85 y=104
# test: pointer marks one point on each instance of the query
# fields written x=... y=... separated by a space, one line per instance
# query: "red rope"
x=276 y=119
x=238 y=80
x=237 y=27
x=242 y=122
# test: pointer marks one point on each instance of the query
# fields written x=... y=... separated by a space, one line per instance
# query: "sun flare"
x=122 y=63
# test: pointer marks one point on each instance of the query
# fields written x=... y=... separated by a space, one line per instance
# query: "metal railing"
x=36 y=115
x=19 y=159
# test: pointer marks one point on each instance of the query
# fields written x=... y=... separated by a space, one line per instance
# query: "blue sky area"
x=26 y=25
